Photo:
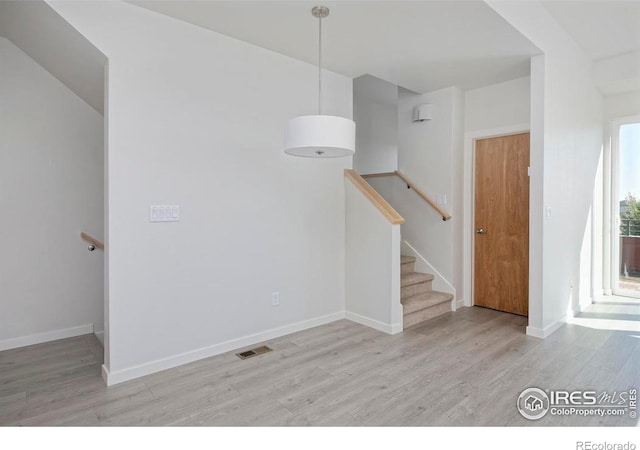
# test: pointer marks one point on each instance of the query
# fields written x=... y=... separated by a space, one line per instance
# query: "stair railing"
x=93 y=242
x=445 y=215
x=385 y=208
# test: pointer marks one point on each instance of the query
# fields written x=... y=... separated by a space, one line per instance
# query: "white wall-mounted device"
x=423 y=112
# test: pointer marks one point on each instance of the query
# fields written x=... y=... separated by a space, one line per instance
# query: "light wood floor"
x=463 y=368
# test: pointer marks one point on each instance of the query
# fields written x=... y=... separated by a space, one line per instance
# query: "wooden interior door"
x=501 y=249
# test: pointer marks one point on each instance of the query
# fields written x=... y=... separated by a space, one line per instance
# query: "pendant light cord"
x=319 y=65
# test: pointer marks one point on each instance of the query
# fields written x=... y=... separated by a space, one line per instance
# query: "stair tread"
x=411 y=278
x=407 y=259
x=425 y=300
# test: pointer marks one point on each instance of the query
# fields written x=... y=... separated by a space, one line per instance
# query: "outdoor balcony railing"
x=629 y=227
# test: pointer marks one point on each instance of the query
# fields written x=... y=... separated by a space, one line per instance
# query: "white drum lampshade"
x=320 y=136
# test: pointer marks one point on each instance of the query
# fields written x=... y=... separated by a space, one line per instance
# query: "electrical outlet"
x=275 y=299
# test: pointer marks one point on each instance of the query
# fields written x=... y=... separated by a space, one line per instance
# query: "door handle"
x=481 y=231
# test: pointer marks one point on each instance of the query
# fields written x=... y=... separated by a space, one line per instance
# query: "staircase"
x=419 y=301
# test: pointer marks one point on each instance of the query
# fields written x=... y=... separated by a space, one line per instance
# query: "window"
x=626 y=208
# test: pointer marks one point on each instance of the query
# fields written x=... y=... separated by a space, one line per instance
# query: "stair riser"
x=407 y=267
x=425 y=314
x=415 y=289
x=411 y=308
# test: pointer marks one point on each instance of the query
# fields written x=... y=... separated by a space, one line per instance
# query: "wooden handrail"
x=378 y=175
x=375 y=198
x=92 y=240
x=445 y=215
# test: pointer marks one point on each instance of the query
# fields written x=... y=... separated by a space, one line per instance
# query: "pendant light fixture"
x=320 y=136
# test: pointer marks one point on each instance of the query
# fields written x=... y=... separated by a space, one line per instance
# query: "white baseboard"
x=580 y=307
x=105 y=374
x=393 y=328
x=543 y=333
x=598 y=295
x=459 y=303
x=440 y=283
x=100 y=336
x=169 y=362
x=47 y=336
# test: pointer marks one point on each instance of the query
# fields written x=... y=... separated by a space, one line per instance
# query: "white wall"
x=196 y=119
x=456 y=203
x=498 y=105
x=430 y=155
x=622 y=105
x=51 y=188
x=426 y=155
x=566 y=130
x=372 y=265
x=41 y=33
x=494 y=110
x=619 y=74
x=375 y=111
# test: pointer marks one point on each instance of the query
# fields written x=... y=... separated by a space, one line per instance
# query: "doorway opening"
x=53 y=184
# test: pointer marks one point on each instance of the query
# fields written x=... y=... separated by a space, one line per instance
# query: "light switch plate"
x=441 y=199
x=164 y=213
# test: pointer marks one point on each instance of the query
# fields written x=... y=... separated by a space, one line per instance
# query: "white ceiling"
x=602 y=28
x=420 y=45
x=42 y=34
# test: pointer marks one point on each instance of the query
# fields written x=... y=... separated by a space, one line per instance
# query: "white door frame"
x=612 y=214
x=106 y=344
x=469 y=170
